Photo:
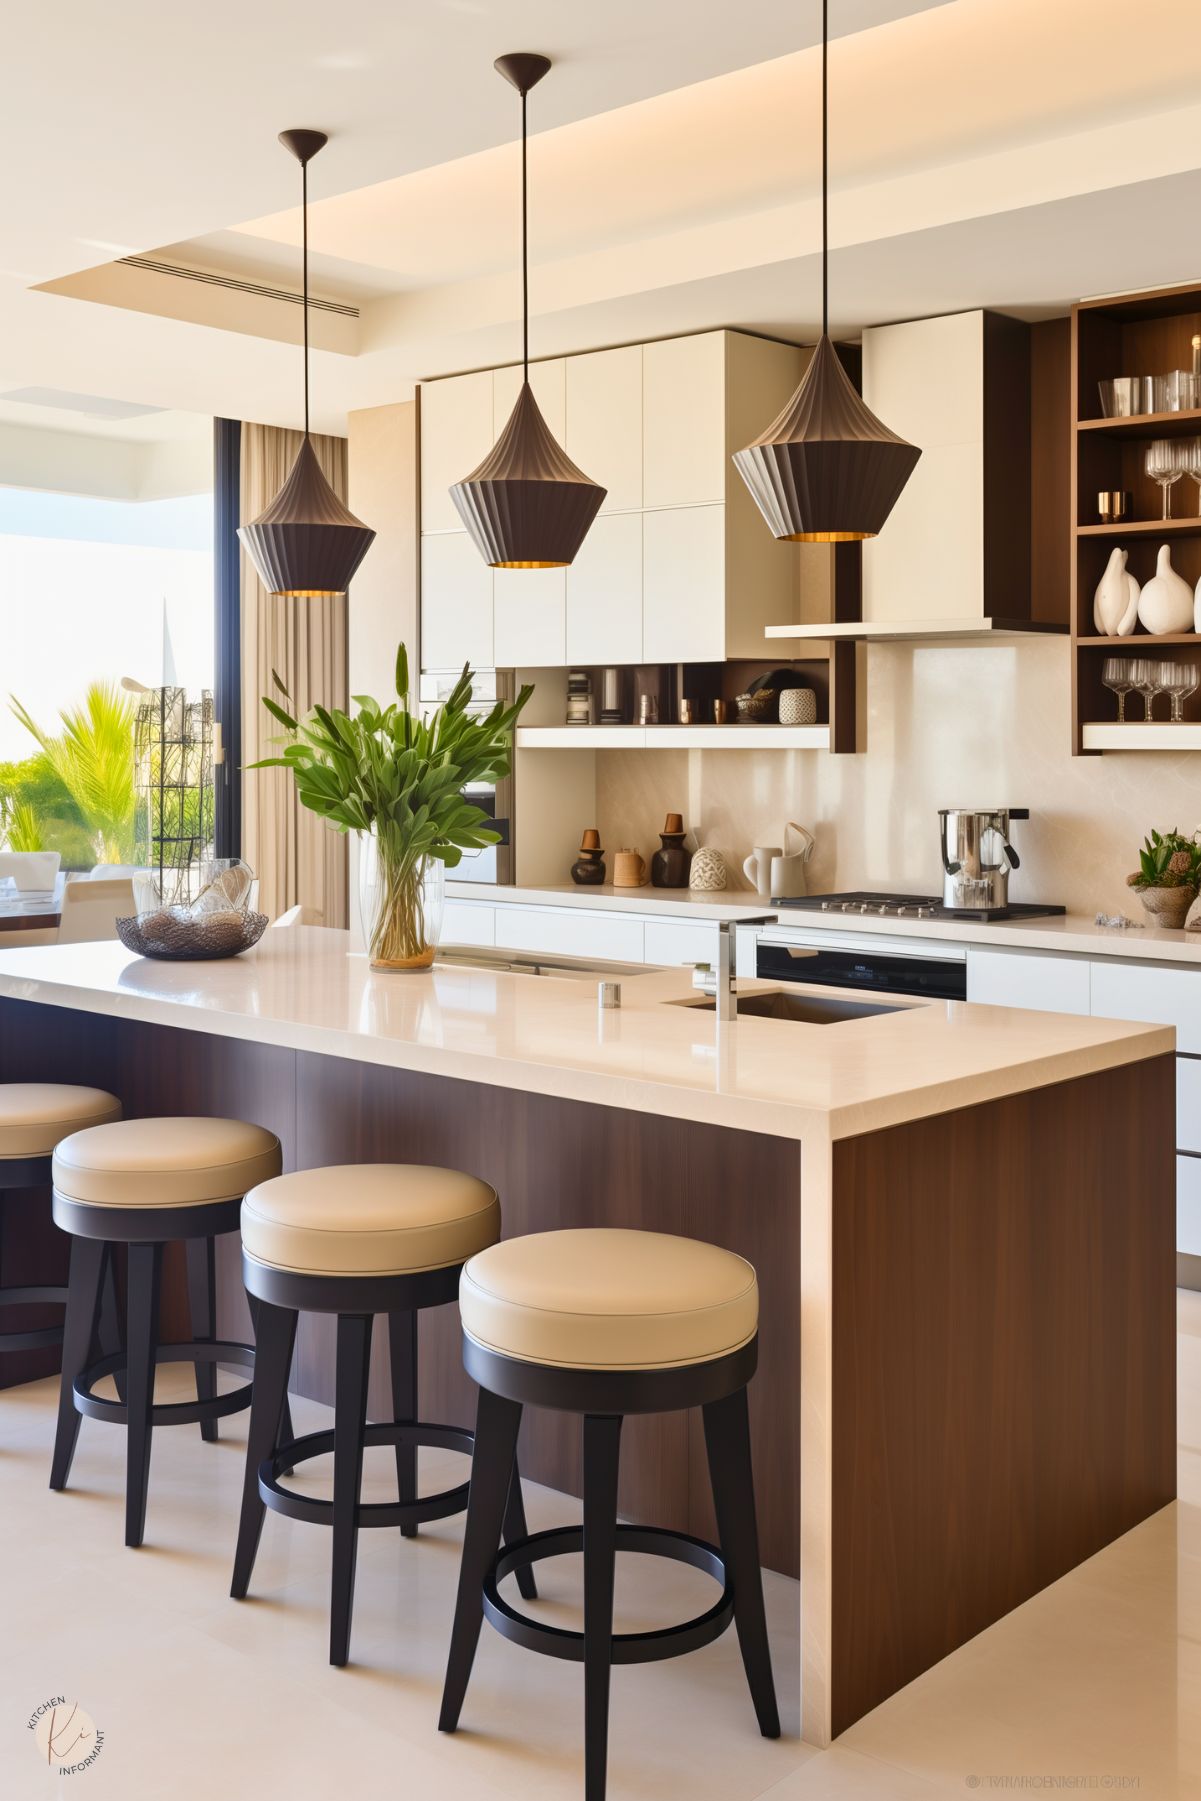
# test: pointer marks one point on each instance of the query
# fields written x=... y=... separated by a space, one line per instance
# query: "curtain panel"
x=299 y=860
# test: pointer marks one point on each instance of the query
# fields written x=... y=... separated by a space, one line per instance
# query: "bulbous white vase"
x=1115 y=604
x=1166 y=603
x=1197 y=609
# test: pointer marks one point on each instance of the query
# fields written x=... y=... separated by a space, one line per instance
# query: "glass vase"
x=400 y=906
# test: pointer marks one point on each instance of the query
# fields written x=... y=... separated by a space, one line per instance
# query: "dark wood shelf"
x=1143 y=528
x=1092 y=642
x=1185 y=424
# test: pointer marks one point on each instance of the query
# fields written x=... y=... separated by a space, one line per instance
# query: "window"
x=97 y=597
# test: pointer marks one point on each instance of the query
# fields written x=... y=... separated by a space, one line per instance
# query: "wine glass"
x=1165 y=466
x=1190 y=458
x=1179 y=680
x=1118 y=677
x=1146 y=681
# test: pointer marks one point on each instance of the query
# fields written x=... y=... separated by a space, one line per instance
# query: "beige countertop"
x=679 y=903
x=302 y=988
x=1071 y=934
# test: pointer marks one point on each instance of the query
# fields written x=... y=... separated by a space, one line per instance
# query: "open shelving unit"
x=1134 y=334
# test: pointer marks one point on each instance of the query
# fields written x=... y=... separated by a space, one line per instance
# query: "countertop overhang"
x=304 y=989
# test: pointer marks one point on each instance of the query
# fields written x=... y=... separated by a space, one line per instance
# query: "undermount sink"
x=806 y=1009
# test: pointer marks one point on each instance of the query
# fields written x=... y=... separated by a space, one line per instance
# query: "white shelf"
x=1158 y=734
x=886 y=631
x=673 y=737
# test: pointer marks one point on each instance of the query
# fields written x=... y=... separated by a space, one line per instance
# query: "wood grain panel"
x=1004 y=1399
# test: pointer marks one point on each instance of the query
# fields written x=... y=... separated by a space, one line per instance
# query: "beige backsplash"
x=969 y=726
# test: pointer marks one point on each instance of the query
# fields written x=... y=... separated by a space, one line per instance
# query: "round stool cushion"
x=164 y=1162
x=607 y=1299
x=35 y=1115
x=369 y=1219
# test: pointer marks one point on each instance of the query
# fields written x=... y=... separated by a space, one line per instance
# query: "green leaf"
x=402 y=671
x=277 y=712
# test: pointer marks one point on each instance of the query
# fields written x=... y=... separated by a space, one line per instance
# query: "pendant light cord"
x=304 y=229
x=825 y=172
x=525 y=256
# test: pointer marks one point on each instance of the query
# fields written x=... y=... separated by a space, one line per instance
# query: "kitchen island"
x=961 y=1218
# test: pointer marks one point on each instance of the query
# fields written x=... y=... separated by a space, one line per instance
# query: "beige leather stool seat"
x=164 y=1162
x=369 y=1219
x=602 y=1298
x=34 y=1116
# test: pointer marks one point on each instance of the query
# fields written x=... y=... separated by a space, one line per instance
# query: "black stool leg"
x=728 y=1444
x=83 y=1307
x=110 y=1339
x=287 y=1432
x=274 y=1336
x=200 y=1254
x=402 y=1358
x=350 y=1419
x=492 y=1464
x=602 y=1442
x=515 y=1528
x=145 y=1270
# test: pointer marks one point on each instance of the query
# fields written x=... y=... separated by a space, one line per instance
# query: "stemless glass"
x=1165 y=466
x=1118 y=677
x=1146 y=680
x=1179 y=680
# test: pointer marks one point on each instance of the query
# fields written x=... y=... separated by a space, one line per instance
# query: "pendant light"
x=826 y=471
x=527 y=506
x=307 y=544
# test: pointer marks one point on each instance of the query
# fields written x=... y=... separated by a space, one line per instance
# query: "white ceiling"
x=1003 y=152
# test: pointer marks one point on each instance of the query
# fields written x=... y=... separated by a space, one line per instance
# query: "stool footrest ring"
x=371 y=1513
x=36 y=1337
x=626 y=1647
x=168 y=1413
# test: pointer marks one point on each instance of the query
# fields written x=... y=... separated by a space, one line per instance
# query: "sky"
x=83 y=588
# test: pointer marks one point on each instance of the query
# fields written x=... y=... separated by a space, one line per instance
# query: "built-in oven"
x=936 y=972
x=495 y=864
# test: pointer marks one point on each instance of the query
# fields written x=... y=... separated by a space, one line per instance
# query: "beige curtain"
x=299 y=860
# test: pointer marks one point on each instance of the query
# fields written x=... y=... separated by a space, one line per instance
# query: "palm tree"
x=93 y=759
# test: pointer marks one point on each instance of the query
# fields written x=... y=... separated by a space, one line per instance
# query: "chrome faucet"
x=717 y=979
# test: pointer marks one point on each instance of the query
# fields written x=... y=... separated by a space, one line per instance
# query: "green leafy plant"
x=92 y=762
x=387 y=771
x=1168 y=860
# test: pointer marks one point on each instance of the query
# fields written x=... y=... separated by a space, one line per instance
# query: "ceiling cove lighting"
x=306 y=545
x=826 y=471
x=527 y=506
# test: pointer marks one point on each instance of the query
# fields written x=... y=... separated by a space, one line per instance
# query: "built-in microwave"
x=494 y=865
x=866 y=965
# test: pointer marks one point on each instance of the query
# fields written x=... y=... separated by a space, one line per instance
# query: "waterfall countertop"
x=304 y=989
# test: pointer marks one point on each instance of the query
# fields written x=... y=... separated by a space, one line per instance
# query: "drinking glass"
x=1164 y=465
x=1146 y=682
x=1179 y=680
x=1190 y=458
x=1118 y=677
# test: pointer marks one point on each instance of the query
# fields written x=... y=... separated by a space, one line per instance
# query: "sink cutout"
x=805 y=1009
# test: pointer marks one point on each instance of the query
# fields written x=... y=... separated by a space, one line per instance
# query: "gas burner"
x=911 y=906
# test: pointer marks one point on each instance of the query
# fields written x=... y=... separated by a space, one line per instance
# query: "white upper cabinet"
x=529 y=607
x=684 y=455
x=456 y=435
x=456 y=603
x=604 y=423
x=604 y=592
x=684 y=585
x=548 y=382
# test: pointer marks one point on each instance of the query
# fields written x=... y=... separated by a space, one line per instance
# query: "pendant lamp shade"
x=826 y=471
x=306 y=545
x=527 y=506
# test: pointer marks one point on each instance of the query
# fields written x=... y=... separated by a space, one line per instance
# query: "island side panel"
x=566 y=1163
x=1003 y=1374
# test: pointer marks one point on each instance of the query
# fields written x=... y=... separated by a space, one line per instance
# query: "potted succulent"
x=397 y=779
x=1168 y=876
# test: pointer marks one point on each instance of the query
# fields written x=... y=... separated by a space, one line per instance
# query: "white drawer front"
x=570 y=932
x=468 y=922
x=1188 y=1104
x=1188 y=1205
x=680 y=941
x=1167 y=997
x=1045 y=984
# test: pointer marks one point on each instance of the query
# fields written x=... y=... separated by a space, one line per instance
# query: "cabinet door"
x=570 y=932
x=468 y=922
x=456 y=435
x=684 y=585
x=604 y=593
x=456 y=603
x=547 y=381
x=1153 y=995
x=670 y=942
x=684 y=459
x=1188 y=1205
x=1188 y=1104
x=1044 y=984
x=604 y=422
x=529 y=608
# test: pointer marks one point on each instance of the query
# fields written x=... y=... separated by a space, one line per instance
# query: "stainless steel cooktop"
x=911 y=906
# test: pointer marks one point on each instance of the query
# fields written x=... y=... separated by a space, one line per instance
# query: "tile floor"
x=1094 y=1686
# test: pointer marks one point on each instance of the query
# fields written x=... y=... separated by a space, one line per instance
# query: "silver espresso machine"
x=977 y=856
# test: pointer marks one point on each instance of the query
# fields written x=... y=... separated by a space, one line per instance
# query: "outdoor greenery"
x=75 y=794
x=1168 y=860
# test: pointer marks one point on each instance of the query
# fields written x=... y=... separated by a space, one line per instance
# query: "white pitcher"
x=757 y=868
x=789 y=877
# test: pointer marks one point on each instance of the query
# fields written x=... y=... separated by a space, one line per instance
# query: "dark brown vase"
x=588 y=870
x=670 y=865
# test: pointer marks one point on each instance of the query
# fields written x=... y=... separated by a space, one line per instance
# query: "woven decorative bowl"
x=757 y=708
x=179 y=940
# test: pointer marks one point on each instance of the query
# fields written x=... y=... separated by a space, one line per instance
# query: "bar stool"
x=355 y=1241
x=144 y=1183
x=33 y=1117
x=604 y=1323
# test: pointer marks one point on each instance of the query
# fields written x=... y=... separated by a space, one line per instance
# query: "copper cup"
x=1113 y=505
x=719 y=712
x=686 y=713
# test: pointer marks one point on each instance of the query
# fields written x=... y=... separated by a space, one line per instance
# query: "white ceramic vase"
x=1115 y=604
x=1197 y=609
x=1166 y=603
